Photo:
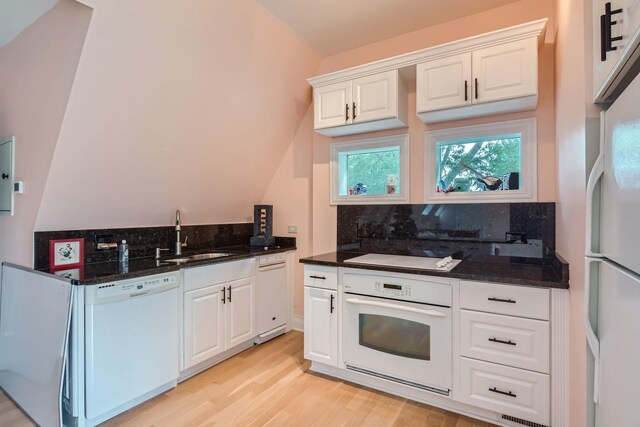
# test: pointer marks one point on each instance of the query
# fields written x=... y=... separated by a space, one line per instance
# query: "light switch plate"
x=292 y=229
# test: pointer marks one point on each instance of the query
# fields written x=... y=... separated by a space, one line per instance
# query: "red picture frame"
x=66 y=253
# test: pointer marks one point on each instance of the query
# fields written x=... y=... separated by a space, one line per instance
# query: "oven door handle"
x=432 y=313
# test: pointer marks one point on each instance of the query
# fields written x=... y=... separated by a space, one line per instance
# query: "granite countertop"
x=550 y=272
x=103 y=272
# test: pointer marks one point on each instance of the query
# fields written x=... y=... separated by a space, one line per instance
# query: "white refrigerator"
x=612 y=292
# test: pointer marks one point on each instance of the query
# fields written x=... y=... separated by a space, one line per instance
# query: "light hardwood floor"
x=270 y=385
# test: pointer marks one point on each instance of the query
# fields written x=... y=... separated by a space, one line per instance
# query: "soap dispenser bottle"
x=123 y=252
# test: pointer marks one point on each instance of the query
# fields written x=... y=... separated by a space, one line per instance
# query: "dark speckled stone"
x=444 y=229
x=554 y=273
x=475 y=233
x=142 y=241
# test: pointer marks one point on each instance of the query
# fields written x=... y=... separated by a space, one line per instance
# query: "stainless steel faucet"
x=179 y=244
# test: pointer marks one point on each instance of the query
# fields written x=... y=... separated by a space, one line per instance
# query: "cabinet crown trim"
x=518 y=32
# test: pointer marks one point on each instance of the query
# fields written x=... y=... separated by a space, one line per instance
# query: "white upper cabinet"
x=331 y=105
x=443 y=83
x=616 y=35
x=504 y=77
x=487 y=74
x=505 y=71
x=365 y=104
x=375 y=97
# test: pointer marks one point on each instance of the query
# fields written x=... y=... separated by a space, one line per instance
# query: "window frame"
x=529 y=162
x=337 y=148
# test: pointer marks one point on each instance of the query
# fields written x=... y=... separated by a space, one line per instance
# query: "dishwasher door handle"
x=271 y=267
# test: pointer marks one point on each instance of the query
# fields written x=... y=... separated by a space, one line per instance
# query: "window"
x=370 y=171
x=490 y=162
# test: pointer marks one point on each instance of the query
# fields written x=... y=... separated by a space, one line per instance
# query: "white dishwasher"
x=131 y=343
x=271 y=284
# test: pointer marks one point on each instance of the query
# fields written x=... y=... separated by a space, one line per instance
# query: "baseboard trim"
x=297 y=324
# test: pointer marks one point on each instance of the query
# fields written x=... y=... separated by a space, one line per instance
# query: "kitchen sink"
x=209 y=256
x=198 y=257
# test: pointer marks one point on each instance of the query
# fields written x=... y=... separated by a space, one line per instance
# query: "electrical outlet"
x=292 y=229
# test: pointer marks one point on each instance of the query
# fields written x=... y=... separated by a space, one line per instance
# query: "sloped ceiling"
x=332 y=26
x=16 y=15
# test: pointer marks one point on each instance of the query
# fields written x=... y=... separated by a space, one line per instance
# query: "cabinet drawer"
x=320 y=276
x=512 y=341
x=521 y=301
x=510 y=391
x=199 y=277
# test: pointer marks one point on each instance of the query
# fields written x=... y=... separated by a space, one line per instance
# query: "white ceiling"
x=16 y=15
x=332 y=26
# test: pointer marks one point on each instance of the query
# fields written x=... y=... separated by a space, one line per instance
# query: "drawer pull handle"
x=318 y=277
x=502 y=300
x=331 y=307
x=509 y=342
x=506 y=393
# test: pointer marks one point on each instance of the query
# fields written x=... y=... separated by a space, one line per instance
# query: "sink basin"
x=198 y=257
x=208 y=256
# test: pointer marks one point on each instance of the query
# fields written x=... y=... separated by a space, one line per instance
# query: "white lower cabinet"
x=218 y=316
x=515 y=392
x=321 y=325
x=505 y=348
x=240 y=306
x=513 y=341
x=203 y=324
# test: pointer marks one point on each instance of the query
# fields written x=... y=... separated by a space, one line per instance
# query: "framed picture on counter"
x=66 y=253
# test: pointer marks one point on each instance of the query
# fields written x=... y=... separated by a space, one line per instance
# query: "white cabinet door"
x=505 y=71
x=203 y=325
x=626 y=27
x=321 y=326
x=6 y=185
x=443 y=83
x=272 y=298
x=510 y=391
x=375 y=97
x=240 y=311
x=512 y=341
x=603 y=68
x=332 y=105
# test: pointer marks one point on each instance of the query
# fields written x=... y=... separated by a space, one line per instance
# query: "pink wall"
x=573 y=109
x=290 y=195
x=176 y=107
x=324 y=223
x=36 y=74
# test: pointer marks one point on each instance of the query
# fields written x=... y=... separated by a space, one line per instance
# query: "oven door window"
x=395 y=336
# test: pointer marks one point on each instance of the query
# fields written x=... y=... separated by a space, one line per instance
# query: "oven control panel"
x=392 y=289
x=422 y=290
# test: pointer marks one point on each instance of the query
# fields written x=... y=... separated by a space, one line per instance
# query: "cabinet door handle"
x=476 y=82
x=605 y=31
x=354 y=111
x=466 y=87
x=331 y=307
x=509 y=342
x=346 y=112
x=318 y=277
x=229 y=294
x=510 y=301
x=224 y=295
x=506 y=393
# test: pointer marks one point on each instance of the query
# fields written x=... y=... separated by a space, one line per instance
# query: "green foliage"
x=490 y=158
x=372 y=169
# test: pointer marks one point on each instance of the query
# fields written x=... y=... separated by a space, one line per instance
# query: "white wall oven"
x=398 y=329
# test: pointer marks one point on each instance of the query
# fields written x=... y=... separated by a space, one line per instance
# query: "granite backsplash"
x=505 y=229
x=143 y=240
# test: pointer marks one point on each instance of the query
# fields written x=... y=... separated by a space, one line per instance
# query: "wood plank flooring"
x=269 y=385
